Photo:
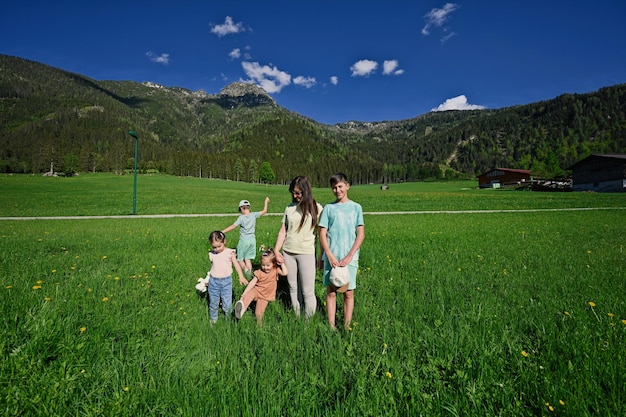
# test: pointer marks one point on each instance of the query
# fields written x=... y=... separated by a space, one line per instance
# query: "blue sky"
x=335 y=61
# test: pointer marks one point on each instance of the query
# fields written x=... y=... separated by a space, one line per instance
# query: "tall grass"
x=516 y=314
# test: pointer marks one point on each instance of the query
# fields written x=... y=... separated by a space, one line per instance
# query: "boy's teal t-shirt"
x=247 y=224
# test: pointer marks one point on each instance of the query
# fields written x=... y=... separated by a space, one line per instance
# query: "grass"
x=469 y=314
x=106 y=194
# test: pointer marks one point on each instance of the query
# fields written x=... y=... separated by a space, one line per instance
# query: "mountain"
x=50 y=117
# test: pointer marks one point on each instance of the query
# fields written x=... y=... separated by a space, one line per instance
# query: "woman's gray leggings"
x=301 y=278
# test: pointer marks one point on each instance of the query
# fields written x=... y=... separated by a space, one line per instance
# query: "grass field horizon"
x=108 y=194
x=473 y=314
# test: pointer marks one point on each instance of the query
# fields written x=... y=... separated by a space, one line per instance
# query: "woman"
x=296 y=238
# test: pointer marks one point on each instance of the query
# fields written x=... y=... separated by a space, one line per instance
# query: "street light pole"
x=134 y=134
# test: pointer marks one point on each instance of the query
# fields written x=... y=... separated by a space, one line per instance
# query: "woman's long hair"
x=307 y=204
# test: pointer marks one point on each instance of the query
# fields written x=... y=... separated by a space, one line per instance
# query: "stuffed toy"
x=203 y=283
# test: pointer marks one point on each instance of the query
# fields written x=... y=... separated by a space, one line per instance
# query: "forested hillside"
x=50 y=118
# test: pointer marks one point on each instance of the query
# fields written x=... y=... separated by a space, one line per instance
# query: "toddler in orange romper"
x=262 y=287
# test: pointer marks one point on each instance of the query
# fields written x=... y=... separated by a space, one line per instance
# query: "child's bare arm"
x=242 y=279
x=360 y=236
x=229 y=228
x=267 y=202
x=282 y=270
x=332 y=260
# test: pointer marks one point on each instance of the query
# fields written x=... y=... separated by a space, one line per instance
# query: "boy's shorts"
x=246 y=249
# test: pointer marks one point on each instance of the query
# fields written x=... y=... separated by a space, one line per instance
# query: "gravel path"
x=373 y=213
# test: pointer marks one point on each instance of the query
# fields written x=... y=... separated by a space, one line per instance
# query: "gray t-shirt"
x=247 y=224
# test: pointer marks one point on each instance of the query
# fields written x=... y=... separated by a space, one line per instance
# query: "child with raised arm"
x=262 y=287
x=342 y=231
x=246 y=248
x=221 y=281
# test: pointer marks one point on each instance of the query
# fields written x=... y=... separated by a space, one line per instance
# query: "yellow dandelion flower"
x=104 y=257
x=624 y=321
x=47 y=298
x=524 y=353
x=589 y=252
x=126 y=389
x=153 y=266
x=39 y=281
x=551 y=408
x=610 y=314
x=36 y=287
x=82 y=371
x=388 y=375
x=89 y=290
x=561 y=402
x=82 y=329
x=592 y=304
x=566 y=313
x=8 y=287
x=105 y=298
x=54 y=271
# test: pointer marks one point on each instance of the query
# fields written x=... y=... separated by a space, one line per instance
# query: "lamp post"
x=134 y=134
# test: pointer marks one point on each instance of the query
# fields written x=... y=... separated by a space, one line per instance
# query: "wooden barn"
x=500 y=177
x=600 y=172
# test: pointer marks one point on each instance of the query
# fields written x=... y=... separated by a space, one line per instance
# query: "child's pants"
x=220 y=288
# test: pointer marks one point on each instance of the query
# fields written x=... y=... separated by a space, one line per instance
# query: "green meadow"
x=469 y=303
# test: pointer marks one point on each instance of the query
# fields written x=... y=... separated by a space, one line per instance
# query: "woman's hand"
x=280 y=259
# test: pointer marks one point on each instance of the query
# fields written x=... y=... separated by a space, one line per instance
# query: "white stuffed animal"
x=203 y=283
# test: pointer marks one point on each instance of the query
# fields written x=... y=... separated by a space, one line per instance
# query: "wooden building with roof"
x=500 y=177
x=600 y=172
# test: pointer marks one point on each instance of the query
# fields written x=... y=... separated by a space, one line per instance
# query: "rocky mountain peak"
x=242 y=93
x=240 y=88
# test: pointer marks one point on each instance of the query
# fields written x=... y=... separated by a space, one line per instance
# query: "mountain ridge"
x=82 y=124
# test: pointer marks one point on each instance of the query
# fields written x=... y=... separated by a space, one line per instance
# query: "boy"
x=246 y=248
x=341 y=234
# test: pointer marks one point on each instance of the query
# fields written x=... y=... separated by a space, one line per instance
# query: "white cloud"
x=437 y=17
x=246 y=55
x=161 y=59
x=391 y=68
x=363 y=68
x=235 y=54
x=271 y=79
x=334 y=80
x=457 y=103
x=227 y=28
x=307 y=82
x=448 y=36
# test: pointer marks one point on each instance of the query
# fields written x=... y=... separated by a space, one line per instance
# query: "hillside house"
x=600 y=172
x=500 y=177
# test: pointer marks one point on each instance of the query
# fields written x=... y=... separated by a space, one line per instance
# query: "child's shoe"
x=239 y=310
